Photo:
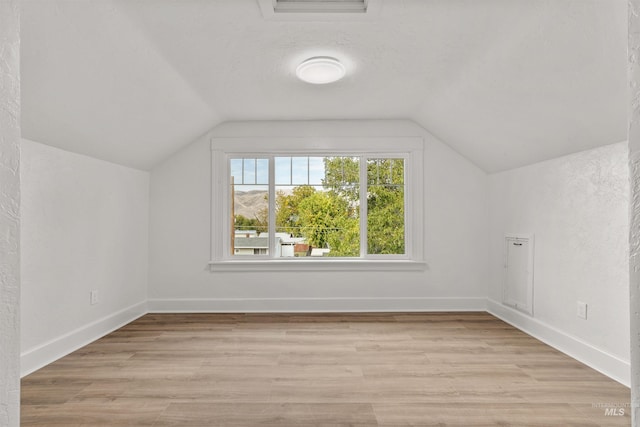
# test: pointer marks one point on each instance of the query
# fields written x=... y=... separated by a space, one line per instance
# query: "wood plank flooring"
x=417 y=369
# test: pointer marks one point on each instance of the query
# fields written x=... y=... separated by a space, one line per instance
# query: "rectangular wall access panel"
x=518 y=273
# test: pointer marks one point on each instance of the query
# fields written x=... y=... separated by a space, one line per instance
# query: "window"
x=353 y=202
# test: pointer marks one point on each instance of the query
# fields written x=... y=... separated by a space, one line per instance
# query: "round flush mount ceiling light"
x=320 y=70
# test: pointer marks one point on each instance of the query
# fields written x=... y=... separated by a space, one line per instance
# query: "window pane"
x=262 y=171
x=300 y=170
x=342 y=170
x=236 y=170
x=320 y=219
x=316 y=170
x=249 y=171
x=283 y=170
x=397 y=171
x=250 y=207
x=317 y=206
x=385 y=206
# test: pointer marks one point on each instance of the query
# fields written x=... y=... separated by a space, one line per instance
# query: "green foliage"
x=385 y=221
x=388 y=172
x=342 y=177
x=330 y=218
x=260 y=223
x=385 y=206
x=287 y=209
x=328 y=221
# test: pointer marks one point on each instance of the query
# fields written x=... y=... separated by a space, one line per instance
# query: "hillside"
x=249 y=203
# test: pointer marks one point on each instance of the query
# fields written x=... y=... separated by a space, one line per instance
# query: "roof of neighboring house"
x=251 y=242
x=320 y=251
x=245 y=232
x=301 y=247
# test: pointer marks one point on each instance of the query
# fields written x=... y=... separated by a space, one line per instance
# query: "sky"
x=253 y=174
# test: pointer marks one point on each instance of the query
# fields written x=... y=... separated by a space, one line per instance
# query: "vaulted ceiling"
x=504 y=82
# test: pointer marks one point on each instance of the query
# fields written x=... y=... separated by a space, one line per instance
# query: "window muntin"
x=319 y=207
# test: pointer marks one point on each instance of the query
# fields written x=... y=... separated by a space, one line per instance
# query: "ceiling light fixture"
x=320 y=70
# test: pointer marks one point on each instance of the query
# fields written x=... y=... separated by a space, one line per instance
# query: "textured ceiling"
x=503 y=82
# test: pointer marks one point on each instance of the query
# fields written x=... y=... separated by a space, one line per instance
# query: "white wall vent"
x=322 y=6
x=317 y=9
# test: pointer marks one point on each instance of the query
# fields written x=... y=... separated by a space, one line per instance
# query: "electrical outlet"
x=582 y=310
x=94 y=297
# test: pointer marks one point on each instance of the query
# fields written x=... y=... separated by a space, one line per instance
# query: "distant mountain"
x=249 y=203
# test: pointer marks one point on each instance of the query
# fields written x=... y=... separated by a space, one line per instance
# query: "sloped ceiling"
x=504 y=82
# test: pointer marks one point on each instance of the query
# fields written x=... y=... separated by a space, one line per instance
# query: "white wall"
x=577 y=208
x=9 y=213
x=456 y=221
x=633 y=56
x=84 y=227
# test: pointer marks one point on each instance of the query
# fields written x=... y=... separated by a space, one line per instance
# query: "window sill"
x=317 y=265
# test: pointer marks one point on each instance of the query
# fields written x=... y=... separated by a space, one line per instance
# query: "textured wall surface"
x=9 y=213
x=84 y=227
x=577 y=208
x=634 y=235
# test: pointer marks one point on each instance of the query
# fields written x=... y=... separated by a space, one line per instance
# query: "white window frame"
x=409 y=148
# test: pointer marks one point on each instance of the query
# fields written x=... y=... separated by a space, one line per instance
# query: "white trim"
x=217 y=213
x=314 y=145
x=409 y=148
x=272 y=207
x=320 y=264
x=35 y=358
x=315 y=305
x=606 y=363
x=364 y=206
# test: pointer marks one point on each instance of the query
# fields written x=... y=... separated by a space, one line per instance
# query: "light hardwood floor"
x=462 y=369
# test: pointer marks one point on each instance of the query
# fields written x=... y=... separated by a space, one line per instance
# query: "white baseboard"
x=314 y=305
x=608 y=364
x=38 y=357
